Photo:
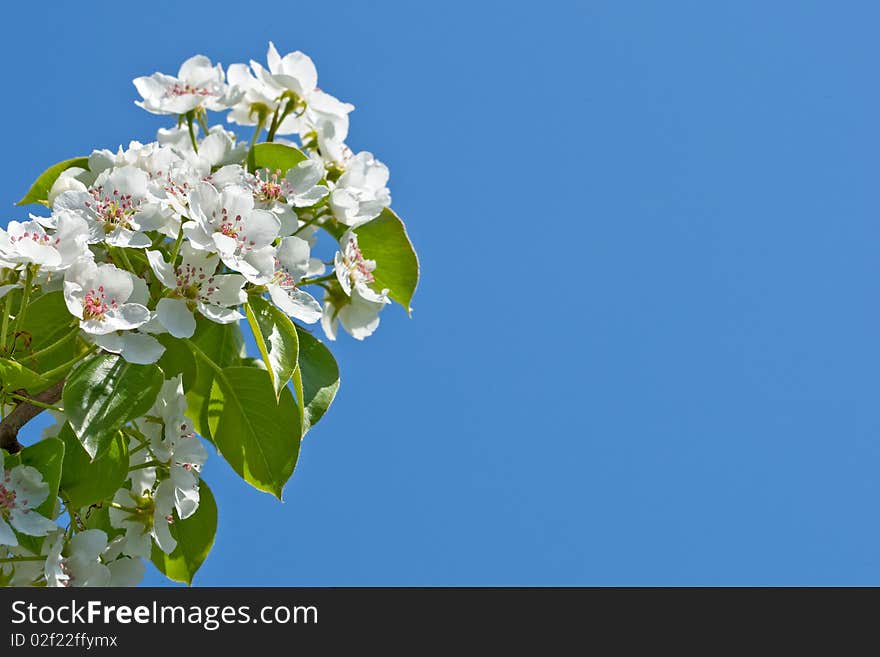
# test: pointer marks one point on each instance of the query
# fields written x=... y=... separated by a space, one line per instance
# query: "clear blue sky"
x=645 y=347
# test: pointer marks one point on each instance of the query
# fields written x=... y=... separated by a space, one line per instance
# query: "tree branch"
x=24 y=413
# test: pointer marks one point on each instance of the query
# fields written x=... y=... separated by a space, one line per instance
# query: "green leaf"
x=277 y=157
x=320 y=377
x=276 y=339
x=104 y=393
x=84 y=481
x=47 y=456
x=195 y=537
x=14 y=376
x=39 y=191
x=384 y=240
x=48 y=334
x=257 y=435
x=177 y=360
x=224 y=345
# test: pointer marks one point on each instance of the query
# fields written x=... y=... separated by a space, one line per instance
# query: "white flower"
x=226 y=222
x=143 y=527
x=178 y=448
x=296 y=72
x=359 y=316
x=27 y=242
x=299 y=187
x=195 y=286
x=292 y=263
x=97 y=295
x=198 y=84
x=22 y=490
x=361 y=194
x=134 y=347
x=117 y=208
x=68 y=180
x=163 y=517
x=354 y=272
x=260 y=99
x=83 y=565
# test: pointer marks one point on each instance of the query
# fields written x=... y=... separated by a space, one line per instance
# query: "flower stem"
x=120 y=252
x=148 y=464
x=260 y=125
x=22 y=309
x=34 y=402
x=63 y=369
x=313 y=281
x=192 y=132
x=17 y=559
x=7 y=309
x=177 y=244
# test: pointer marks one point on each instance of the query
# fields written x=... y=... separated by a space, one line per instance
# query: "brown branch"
x=24 y=413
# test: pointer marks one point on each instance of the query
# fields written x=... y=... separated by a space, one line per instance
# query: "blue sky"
x=644 y=349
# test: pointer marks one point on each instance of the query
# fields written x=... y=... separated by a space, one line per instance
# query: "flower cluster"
x=152 y=239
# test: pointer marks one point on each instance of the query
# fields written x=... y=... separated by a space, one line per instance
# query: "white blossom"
x=194 y=285
x=97 y=295
x=358 y=316
x=360 y=194
x=198 y=84
x=292 y=263
x=117 y=208
x=22 y=490
x=226 y=222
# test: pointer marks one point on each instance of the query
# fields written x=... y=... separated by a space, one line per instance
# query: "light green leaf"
x=195 y=538
x=224 y=345
x=39 y=191
x=104 y=393
x=14 y=376
x=47 y=456
x=320 y=377
x=84 y=481
x=384 y=240
x=258 y=435
x=276 y=339
x=277 y=157
x=48 y=334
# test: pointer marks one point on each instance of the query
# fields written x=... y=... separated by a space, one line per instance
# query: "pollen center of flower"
x=282 y=277
x=7 y=499
x=95 y=305
x=268 y=186
x=34 y=237
x=356 y=264
x=178 y=89
x=114 y=210
x=190 y=280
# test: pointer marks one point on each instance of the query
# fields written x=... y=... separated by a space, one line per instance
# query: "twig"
x=24 y=413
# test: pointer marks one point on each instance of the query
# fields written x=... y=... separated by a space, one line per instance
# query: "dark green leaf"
x=85 y=482
x=384 y=240
x=177 y=359
x=277 y=157
x=224 y=345
x=195 y=537
x=320 y=377
x=256 y=434
x=39 y=191
x=104 y=393
x=276 y=339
